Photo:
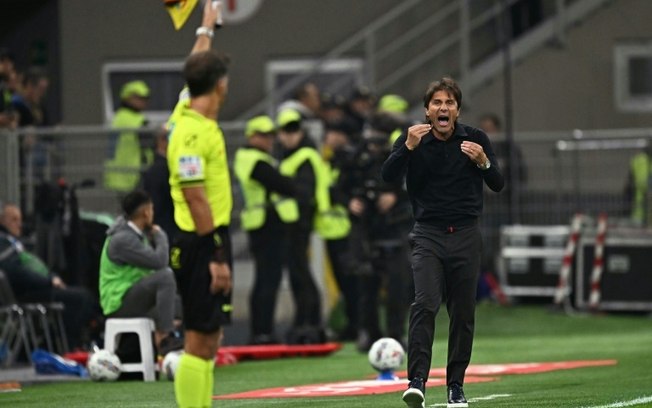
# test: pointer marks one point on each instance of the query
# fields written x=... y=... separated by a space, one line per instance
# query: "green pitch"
x=503 y=335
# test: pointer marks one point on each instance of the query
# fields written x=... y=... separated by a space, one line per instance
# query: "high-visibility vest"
x=122 y=171
x=394 y=135
x=640 y=170
x=116 y=280
x=331 y=222
x=254 y=193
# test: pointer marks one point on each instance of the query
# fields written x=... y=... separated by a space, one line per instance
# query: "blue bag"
x=50 y=363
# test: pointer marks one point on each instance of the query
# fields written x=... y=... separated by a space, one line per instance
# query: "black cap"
x=332 y=101
x=362 y=92
x=341 y=125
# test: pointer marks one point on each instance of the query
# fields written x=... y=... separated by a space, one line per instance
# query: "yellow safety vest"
x=122 y=171
x=255 y=195
x=331 y=222
x=640 y=169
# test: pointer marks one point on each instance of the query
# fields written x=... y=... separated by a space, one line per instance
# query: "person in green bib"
x=263 y=190
x=301 y=161
x=135 y=279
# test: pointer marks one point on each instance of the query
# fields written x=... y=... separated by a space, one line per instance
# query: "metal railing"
x=476 y=56
x=566 y=171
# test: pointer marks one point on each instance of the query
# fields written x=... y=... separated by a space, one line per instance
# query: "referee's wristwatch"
x=485 y=165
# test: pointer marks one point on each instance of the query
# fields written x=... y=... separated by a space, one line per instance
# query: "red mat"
x=233 y=354
x=270 y=351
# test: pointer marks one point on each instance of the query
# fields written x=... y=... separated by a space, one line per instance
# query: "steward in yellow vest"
x=128 y=152
x=637 y=190
x=302 y=162
x=264 y=190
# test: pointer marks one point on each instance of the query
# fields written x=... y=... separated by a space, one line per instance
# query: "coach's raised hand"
x=415 y=133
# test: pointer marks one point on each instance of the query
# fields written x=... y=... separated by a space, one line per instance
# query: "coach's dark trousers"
x=445 y=262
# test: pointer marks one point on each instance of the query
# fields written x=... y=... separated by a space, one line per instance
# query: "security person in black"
x=381 y=219
x=445 y=164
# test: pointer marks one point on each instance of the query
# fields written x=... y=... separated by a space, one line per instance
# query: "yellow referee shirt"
x=197 y=157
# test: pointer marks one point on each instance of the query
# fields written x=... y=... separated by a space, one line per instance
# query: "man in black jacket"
x=445 y=163
x=32 y=281
x=155 y=180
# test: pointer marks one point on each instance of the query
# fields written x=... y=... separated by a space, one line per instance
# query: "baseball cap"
x=362 y=92
x=138 y=88
x=392 y=103
x=287 y=116
x=259 y=124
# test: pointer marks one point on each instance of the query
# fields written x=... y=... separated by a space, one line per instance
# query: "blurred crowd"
x=22 y=93
x=320 y=151
x=342 y=197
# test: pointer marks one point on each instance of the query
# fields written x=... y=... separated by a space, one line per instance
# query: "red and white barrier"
x=598 y=262
x=563 y=286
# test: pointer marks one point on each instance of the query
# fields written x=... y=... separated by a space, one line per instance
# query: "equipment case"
x=531 y=258
x=626 y=280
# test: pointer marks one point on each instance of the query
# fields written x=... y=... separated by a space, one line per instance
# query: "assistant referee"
x=200 y=187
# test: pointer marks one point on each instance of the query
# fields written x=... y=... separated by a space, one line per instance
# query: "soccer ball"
x=386 y=354
x=104 y=365
x=170 y=363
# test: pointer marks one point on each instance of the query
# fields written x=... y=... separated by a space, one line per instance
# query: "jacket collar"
x=458 y=132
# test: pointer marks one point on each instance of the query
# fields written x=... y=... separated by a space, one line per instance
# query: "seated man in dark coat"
x=32 y=282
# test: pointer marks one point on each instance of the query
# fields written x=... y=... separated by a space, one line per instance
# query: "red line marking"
x=475 y=374
x=231 y=5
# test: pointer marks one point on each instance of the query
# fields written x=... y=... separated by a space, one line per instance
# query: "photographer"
x=381 y=219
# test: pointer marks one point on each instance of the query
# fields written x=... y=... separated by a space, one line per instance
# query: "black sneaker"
x=414 y=396
x=456 y=397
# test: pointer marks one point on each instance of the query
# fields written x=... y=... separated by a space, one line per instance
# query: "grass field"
x=503 y=335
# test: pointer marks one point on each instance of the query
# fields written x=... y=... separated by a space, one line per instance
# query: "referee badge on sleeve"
x=190 y=167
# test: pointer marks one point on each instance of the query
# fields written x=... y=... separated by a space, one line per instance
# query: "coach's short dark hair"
x=203 y=70
x=133 y=201
x=447 y=84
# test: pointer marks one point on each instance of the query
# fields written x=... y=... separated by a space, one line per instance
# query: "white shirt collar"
x=135 y=228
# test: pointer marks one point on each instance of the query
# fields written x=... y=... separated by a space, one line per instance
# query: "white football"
x=170 y=363
x=386 y=354
x=104 y=365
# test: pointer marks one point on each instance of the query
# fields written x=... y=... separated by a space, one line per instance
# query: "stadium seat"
x=143 y=327
x=18 y=331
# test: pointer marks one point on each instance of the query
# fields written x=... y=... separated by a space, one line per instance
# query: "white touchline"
x=476 y=399
x=637 y=401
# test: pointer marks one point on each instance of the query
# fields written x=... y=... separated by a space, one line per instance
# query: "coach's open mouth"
x=443 y=120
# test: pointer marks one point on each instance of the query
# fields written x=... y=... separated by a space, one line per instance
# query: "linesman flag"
x=180 y=10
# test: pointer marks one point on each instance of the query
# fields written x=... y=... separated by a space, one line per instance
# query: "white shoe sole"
x=413 y=397
x=458 y=405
